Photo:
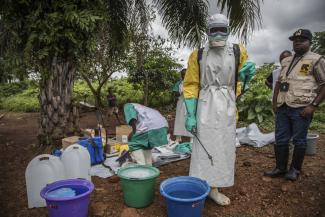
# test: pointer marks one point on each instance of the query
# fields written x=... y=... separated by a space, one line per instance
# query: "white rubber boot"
x=148 y=157
x=138 y=157
x=237 y=142
x=219 y=198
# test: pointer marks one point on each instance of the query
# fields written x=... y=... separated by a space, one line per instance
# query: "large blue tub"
x=185 y=196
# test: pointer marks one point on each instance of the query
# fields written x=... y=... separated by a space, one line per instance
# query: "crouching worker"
x=149 y=129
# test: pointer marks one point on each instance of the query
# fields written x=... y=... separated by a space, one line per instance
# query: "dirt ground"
x=252 y=196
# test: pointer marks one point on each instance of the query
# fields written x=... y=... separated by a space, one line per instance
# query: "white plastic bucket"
x=311 y=144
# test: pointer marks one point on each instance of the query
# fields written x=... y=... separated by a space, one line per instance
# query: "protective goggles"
x=218 y=30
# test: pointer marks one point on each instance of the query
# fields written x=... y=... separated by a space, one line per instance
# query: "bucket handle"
x=43 y=158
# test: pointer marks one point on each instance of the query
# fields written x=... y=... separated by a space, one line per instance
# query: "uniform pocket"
x=304 y=93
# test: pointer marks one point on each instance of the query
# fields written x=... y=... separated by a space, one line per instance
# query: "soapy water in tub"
x=138 y=173
x=62 y=193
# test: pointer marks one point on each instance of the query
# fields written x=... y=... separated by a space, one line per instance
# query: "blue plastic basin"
x=185 y=196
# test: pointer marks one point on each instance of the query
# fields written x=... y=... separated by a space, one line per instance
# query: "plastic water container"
x=311 y=144
x=185 y=196
x=42 y=170
x=76 y=161
x=138 y=184
x=65 y=204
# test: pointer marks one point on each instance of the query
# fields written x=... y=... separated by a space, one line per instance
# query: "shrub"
x=10 y=89
x=81 y=92
x=20 y=97
x=21 y=103
x=319 y=120
x=256 y=105
x=125 y=92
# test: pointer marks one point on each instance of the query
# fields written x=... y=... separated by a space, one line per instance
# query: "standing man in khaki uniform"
x=298 y=92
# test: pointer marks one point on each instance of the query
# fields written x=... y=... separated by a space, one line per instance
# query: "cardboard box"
x=91 y=132
x=122 y=130
x=69 y=141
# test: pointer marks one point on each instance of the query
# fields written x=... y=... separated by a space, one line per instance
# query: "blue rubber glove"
x=190 y=123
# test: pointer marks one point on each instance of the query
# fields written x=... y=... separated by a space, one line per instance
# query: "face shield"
x=218 y=30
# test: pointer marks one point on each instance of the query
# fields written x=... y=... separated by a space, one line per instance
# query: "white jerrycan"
x=76 y=162
x=42 y=170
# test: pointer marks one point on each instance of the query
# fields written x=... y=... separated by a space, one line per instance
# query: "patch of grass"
x=21 y=103
x=318 y=123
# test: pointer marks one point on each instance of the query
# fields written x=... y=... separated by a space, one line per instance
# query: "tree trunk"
x=146 y=89
x=98 y=100
x=58 y=116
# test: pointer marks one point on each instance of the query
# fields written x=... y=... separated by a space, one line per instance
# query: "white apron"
x=216 y=118
x=179 y=125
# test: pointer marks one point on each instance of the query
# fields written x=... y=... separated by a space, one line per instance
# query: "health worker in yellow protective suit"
x=209 y=90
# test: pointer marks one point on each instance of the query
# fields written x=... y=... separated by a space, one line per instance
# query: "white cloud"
x=280 y=19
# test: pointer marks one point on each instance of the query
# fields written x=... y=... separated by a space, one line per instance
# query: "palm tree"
x=52 y=35
x=185 y=20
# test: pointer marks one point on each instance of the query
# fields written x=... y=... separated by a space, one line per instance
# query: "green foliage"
x=318 y=43
x=318 y=123
x=189 y=26
x=124 y=91
x=58 y=27
x=10 y=89
x=255 y=105
x=159 y=70
x=81 y=92
x=12 y=68
x=21 y=103
x=19 y=96
x=23 y=100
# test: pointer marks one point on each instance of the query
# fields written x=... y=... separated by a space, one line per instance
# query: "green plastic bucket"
x=138 y=184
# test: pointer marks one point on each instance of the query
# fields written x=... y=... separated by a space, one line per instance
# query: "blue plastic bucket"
x=185 y=196
x=71 y=206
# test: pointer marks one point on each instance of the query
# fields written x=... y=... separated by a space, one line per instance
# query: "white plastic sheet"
x=251 y=135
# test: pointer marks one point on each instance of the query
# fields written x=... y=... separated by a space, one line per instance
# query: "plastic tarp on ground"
x=251 y=135
x=166 y=154
x=161 y=155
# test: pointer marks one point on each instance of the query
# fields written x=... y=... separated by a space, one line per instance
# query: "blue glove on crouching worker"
x=190 y=123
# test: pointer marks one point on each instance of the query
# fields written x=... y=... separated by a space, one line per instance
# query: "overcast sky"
x=280 y=19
